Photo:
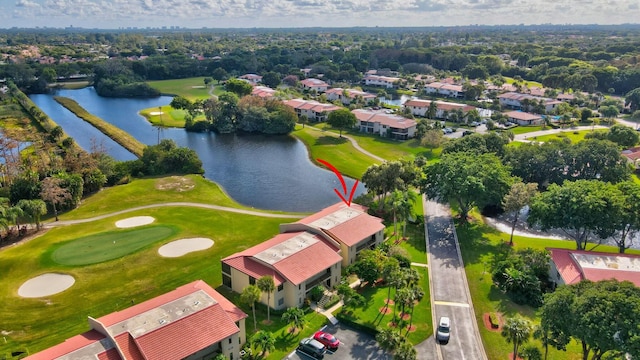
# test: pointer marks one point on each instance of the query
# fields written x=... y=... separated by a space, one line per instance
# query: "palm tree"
x=266 y=284
x=264 y=341
x=249 y=296
x=406 y=209
x=389 y=339
x=416 y=295
x=295 y=317
x=392 y=275
x=402 y=297
x=542 y=333
x=33 y=209
x=405 y=351
x=517 y=331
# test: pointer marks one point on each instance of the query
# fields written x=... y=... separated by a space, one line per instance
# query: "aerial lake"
x=265 y=172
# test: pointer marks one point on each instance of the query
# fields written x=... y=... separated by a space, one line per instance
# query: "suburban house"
x=262 y=91
x=444 y=89
x=524 y=118
x=570 y=98
x=313 y=84
x=191 y=322
x=633 y=155
x=253 y=79
x=346 y=96
x=572 y=266
x=420 y=107
x=517 y=101
x=315 y=111
x=383 y=81
x=387 y=125
x=307 y=253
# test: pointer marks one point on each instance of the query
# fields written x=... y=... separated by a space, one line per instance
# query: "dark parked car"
x=467 y=132
x=313 y=348
x=327 y=340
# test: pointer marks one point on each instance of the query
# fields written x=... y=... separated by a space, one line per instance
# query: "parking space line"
x=448 y=303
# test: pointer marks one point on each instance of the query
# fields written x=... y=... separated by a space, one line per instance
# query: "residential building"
x=632 y=155
x=572 y=266
x=387 y=125
x=346 y=96
x=191 y=322
x=383 y=81
x=524 y=118
x=444 y=89
x=313 y=110
x=518 y=101
x=307 y=253
x=313 y=84
x=263 y=91
x=253 y=79
x=420 y=107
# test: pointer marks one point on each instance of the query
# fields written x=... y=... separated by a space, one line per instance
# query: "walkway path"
x=187 y=204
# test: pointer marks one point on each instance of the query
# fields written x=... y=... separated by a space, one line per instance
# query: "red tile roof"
x=185 y=332
x=574 y=266
x=632 y=153
x=393 y=121
x=521 y=115
x=295 y=267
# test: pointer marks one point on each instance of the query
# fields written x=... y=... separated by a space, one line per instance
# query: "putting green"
x=110 y=245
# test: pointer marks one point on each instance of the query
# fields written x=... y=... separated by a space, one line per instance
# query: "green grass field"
x=190 y=88
x=170 y=117
x=525 y=129
x=573 y=135
x=108 y=245
x=528 y=83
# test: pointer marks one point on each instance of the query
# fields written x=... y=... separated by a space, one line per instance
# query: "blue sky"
x=311 y=13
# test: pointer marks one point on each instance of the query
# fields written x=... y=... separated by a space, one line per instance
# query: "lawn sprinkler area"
x=184 y=246
x=45 y=285
x=134 y=222
x=109 y=245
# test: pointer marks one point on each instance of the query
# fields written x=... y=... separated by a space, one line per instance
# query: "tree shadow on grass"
x=330 y=140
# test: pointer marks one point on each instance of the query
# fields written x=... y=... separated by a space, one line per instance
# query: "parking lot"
x=353 y=345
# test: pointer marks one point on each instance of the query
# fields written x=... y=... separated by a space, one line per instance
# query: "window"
x=281 y=301
x=280 y=287
x=226 y=280
x=230 y=340
x=252 y=280
x=226 y=268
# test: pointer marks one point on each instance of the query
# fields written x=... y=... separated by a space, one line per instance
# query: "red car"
x=327 y=340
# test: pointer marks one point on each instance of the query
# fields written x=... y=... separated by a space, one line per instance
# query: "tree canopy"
x=342 y=119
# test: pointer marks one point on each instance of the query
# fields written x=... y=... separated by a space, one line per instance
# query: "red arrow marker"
x=344 y=185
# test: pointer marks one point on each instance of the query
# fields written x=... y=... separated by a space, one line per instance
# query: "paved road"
x=449 y=288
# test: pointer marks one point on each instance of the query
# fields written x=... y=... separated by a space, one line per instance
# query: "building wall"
x=554 y=274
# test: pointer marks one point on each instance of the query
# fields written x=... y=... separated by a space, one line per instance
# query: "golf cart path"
x=353 y=142
x=188 y=204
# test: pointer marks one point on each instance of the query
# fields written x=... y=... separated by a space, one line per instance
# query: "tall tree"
x=238 y=87
x=517 y=331
x=629 y=222
x=250 y=295
x=267 y=285
x=517 y=198
x=53 y=193
x=432 y=139
x=342 y=119
x=469 y=179
x=632 y=98
x=219 y=74
x=623 y=135
x=33 y=209
x=579 y=208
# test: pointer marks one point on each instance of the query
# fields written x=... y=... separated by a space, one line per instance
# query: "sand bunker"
x=184 y=246
x=156 y=113
x=134 y=221
x=45 y=285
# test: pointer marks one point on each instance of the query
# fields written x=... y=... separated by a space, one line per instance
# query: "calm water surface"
x=267 y=172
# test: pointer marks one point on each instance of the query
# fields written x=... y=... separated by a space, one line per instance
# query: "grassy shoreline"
x=121 y=137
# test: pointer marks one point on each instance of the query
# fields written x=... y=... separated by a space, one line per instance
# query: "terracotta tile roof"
x=524 y=116
x=262 y=91
x=294 y=266
x=311 y=105
x=187 y=335
x=136 y=335
x=357 y=229
x=112 y=354
x=574 y=265
x=391 y=120
x=632 y=153
x=311 y=82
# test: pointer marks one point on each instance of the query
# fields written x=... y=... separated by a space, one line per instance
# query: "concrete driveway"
x=354 y=345
x=449 y=289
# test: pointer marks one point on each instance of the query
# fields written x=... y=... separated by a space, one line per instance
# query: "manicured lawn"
x=573 y=135
x=190 y=88
x=478 y=242
x=108 y=245
x=170 y=117
x=528 y=83
x=190 y=188
x=370 y=314
x=386 y=148
x=338 y=151
x=109 y=286
x=525 y=129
